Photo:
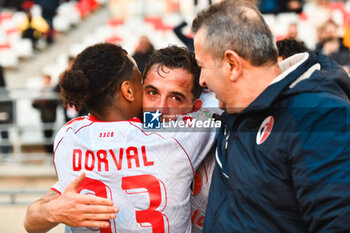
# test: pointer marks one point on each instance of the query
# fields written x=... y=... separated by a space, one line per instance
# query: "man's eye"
x=152 y=92
x=176 y=98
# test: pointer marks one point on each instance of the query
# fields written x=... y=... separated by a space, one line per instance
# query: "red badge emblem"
x=197 y=183
x=264 y=130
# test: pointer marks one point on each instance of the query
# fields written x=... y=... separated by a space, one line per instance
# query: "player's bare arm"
x=36 y=218
x=70 y=208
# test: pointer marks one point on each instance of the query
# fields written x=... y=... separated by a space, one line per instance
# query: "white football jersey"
x=202 y=180
x=146 y=174
x=200 y=191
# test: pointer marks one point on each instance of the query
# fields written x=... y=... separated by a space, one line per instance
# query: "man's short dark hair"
x=289 y=47
x=239 y=26
x=174 y=57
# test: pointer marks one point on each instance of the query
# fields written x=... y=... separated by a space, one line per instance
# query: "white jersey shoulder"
x=210 y=103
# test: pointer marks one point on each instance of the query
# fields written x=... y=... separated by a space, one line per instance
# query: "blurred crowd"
x=37 y=26
x=321 y=26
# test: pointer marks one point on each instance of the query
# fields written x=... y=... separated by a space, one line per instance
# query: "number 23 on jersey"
x=133 y=185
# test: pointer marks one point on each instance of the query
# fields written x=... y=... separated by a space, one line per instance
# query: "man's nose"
x=202 y=82
x=163 y=105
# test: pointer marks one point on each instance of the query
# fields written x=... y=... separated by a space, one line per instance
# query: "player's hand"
x=79 y=210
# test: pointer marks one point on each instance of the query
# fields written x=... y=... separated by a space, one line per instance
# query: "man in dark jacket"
x=188 y=41
x=283 y=154
x=47 y=105
x=143 y=52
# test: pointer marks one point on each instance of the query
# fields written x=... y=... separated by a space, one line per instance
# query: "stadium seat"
x=23 y=48
x=34 y=82
x=8 y=58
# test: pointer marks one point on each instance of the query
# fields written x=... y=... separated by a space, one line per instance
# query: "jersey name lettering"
x=132 y=157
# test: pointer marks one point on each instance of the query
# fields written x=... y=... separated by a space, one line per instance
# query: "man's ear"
x=127 y=91
x=233 y=64
x=197 y=104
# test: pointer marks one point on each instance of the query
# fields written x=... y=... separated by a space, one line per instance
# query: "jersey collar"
x=94 y=119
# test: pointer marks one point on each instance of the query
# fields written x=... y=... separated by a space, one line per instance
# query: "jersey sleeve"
x=196 y=145
x=210 y=103
x=63 y=160
x=56 y=187
x=197 y=137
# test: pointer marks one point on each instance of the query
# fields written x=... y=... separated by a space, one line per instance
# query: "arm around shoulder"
x=70 y=208
x=38 y=217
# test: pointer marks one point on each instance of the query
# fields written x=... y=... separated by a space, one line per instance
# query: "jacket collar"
x=293 y=68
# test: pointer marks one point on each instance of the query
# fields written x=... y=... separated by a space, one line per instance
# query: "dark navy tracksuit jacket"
x=283 y=164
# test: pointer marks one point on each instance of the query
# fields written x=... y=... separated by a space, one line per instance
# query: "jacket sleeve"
x=320 y=168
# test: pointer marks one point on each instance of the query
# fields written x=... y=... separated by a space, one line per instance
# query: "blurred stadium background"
x=26 y=169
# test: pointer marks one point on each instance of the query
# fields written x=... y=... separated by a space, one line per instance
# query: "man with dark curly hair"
x=289 y=47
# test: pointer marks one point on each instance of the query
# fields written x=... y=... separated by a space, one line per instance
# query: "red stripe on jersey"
x=56 y=191
x=93 y=118
x=63 y=138
x=110 y=191
x=79 y=128
x=166 y=199
x=75 y=119
x=167 y=219
x=145 y=132
x=188 y=157
x=54 y=152
x=83 y=127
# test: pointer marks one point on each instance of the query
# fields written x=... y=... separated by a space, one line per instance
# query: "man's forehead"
x=166 y=72
x=198 y=46
x=174 y=80
x=160 y=69
x=198 y=60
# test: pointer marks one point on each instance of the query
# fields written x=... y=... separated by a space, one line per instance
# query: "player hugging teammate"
x=147 y=175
